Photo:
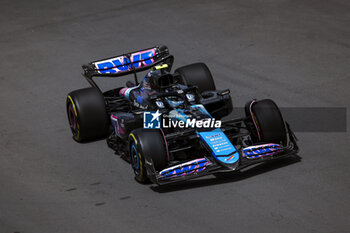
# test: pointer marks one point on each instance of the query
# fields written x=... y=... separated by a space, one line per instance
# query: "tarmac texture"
x=294 y=52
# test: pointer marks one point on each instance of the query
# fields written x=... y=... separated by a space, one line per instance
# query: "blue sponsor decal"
x=263 y=150
x=222 y=148
x=123 y=63
x=183 y=169
x=190 y=97
x=145 y=56
x=160 y=104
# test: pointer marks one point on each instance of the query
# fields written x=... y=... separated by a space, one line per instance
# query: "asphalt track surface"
x=295 y=52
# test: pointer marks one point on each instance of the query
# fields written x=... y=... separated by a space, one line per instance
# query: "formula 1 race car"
x=169 y=126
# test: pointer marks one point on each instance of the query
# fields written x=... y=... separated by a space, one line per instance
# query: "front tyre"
x=266 y=122
x=147 y=144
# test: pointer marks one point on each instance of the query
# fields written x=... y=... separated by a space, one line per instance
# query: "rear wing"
x=129 y=63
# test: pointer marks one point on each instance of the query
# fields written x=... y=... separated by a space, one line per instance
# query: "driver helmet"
x=158 y=79
x=150 y=81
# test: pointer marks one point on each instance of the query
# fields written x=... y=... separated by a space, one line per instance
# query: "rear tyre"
x=146 y=144
x=197 y=74
x=266 y=121
x=87 y=114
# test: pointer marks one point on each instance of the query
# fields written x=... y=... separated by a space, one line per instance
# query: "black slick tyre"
x=197 y=74
x=267 y=124
x=87 y=114
x=147 y=144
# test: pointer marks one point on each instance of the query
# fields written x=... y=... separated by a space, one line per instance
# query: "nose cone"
x=222 y=149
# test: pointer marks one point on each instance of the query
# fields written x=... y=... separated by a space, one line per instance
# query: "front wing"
x=207 y=165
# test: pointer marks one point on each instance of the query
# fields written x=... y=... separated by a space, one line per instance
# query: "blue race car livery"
x=170 y=125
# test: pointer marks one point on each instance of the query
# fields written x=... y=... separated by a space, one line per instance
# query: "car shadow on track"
x=222 y=178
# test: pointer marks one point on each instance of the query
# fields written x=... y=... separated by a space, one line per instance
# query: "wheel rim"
x=72 y=119
x=135 y=160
